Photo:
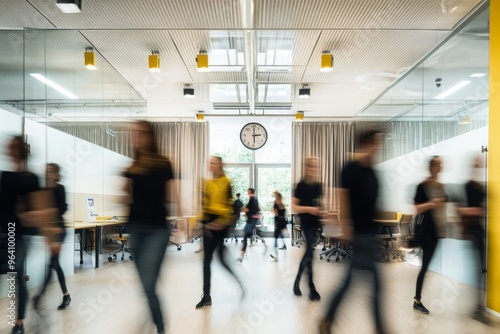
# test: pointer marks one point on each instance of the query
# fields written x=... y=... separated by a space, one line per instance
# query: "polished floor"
x=109 y=299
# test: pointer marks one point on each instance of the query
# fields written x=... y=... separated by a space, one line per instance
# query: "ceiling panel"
x=377 y=14
x=146 y=14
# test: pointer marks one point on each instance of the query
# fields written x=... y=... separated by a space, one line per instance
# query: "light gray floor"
x=109 y=299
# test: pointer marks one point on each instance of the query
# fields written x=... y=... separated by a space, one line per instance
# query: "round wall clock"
x=253 y=136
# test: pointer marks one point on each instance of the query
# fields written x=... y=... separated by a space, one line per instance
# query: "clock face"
x=253 y=136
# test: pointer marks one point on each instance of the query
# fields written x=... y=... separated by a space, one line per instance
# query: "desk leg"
x=98 y=232
x=81 y=246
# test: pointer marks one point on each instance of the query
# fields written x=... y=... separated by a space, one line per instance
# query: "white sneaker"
x=274 y=256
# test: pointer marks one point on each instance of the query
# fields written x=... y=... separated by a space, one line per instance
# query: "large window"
x=266 y=169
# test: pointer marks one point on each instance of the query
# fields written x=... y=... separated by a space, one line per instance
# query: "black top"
x=362 y=184
x=237 y=206
x=308 y=194
x=14 y=186
x=281 y=213
x=148 y=194
x=475 y=194
x=60 y=200
x=253 y=207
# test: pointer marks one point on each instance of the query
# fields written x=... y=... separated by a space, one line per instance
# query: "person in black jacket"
x=14 y=187
x=52 y=177
x=252 y=211
x=306 y=203
x=360 y=189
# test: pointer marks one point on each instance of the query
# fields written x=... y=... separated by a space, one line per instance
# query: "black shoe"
x=65 y=302
x=420 y=308
x=206 y=300
x=284 y=247
x=314 y=295
x=296 y=290
x=17 y=329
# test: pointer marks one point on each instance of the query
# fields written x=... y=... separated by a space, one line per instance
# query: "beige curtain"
x=330 y=142
x=186 y=144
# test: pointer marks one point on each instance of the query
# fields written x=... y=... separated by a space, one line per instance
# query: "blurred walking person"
x=15 y=186
x=52 y=178
x=252 y=210
x=306 y=203
x=472 y=215
x=360 y=190
x=430 y=200
x=150 y=184
x=216 y=219
x=279 y=223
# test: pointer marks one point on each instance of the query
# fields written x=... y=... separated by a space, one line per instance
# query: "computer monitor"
x=90 y=203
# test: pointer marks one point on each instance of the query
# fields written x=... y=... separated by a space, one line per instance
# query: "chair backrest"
x=405 y=225
x=386 y=215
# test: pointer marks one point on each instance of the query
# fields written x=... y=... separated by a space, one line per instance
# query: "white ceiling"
x=373 y=42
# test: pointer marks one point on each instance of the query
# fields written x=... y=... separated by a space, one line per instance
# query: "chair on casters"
x=334 y=233
x=391 y=232
x=257 y=233
x=232 y=235
x=122 y=239
x=174 y=229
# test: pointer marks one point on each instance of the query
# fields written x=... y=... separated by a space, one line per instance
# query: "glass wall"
x=43 y=83
x=439 y=108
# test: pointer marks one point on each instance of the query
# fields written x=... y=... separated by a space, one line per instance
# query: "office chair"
x=334 y=233
x=232 y=235
x=390 y=233
x=122 y=239
x=257 y=233
x=174 y=229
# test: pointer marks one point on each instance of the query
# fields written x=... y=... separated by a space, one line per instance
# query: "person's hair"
x=150 y=131
x=367 y=137
x=55 y=167
x=238 y=195
x=279 y=199
x=433 y=161
x=251 y=190
x=19 y=143
x=309 y=160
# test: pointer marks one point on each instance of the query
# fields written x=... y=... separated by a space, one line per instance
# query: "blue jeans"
x=149 y=244
x=364 y=258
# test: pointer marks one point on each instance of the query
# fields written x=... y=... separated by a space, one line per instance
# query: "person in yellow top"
x=216 y=219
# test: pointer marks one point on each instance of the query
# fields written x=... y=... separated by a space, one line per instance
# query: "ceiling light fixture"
x=200 y=116
x=299 y=116
x=452 y=90
x=154 y=62
x=69 y=6
x=304 y=92
x=54 y=85
x=188 y=91
x=326 y=61
x=202 y=61
x=89 y=57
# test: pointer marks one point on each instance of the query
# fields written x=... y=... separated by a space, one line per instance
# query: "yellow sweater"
x=217 y=198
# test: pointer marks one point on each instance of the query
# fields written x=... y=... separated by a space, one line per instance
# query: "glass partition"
x=439 y=108
x=69 y=116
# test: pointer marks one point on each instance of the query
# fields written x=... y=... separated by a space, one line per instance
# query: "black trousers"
x=279 y=226
x=54 y=265
x=306 y=262
x=428 y=243
x=212 y=241
x=364 y=258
